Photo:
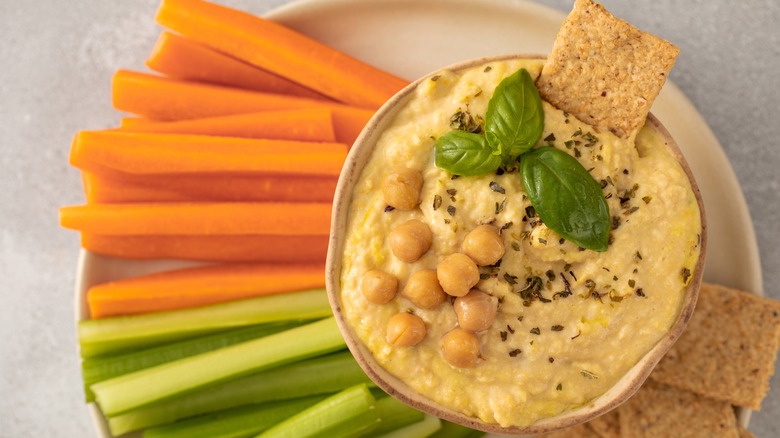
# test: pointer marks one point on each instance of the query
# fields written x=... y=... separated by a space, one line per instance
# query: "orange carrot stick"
x=131 y=123
x=301 y=125
x=120 y=187
x=272 y=249
x=102 y=189
x=349 y=123
x=184 y=58
x=280 y=50
x=143 y=153
x=200 y=286
x=169 y=99
x=203 y=218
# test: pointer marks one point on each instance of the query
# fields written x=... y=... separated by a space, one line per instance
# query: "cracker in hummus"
x=604 y=71
x=744 y=433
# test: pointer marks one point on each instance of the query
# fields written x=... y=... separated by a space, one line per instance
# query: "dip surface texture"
x=594 y=315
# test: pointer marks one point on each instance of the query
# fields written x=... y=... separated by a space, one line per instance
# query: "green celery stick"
x=321 y=375
x=452 y=430
x=393 y=414
x=111 y=335
x=425 y=428
x=349 y=413
x=97 y=369
x=136 y=389
x=244 y=421
x=378 y=393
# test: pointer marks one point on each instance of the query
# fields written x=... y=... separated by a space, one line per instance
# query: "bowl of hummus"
x=513 y=269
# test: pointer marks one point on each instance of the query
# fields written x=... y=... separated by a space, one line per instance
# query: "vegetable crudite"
x=551 y=260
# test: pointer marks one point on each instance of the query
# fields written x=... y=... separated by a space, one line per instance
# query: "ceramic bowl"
x=358 y=157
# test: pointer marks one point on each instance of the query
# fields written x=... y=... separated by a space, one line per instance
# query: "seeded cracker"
x=604 y=71
x=579 y=431
x=607 y=425
x=744 y=433
x=729 y=348
x=663 y=411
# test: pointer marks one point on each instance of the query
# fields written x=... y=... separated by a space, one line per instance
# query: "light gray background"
x=56 y=61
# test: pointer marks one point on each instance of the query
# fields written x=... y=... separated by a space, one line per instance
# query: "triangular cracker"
x=604 y=71
x=729 y=348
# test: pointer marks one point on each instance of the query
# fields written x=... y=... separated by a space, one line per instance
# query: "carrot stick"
x=100 y=189
x=143 y=153
x=169 y=99
x=184 y=58
x=301 y=125
x=272 y=249
x=121 y=187
x=200 y=286
x=204 y=218
x=280 y=50
x=349 y=123
x=133 y=123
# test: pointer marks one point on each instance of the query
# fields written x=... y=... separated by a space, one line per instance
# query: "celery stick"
x=321 y=375
x=394 y=414
x=452 y=430
x=346 y=414
x=244 y=421
x=110 y=335
x=425 y=428
x=97 y=369
x=126 y=392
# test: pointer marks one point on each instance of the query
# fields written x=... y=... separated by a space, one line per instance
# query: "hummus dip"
x=589 y=316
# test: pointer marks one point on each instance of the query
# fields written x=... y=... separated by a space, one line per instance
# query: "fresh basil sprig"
x=514 y=122
x=466 y=154
x=569 y=201
x=515 y=119
x=566 y=197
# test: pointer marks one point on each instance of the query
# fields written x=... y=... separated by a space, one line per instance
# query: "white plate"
x=410 y=38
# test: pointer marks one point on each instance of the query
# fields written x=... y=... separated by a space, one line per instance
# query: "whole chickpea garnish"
x=460 y=348
x=424 y=290
x=410 y=240
x=475 y=310
x=484 y=245
x=405 y=329
x=401 y=188
x=378 y=287
x=457 y=274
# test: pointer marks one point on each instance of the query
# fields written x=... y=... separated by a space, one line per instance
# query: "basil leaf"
x=566 y=197
x=464 y=153
x=515 y=119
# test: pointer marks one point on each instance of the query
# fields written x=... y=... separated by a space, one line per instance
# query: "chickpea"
x=460 y=348
x=476 y=310
x=424 y=290
x=401 y=188
x=410 y=240
x=483 y=245
x=405 y=329
x=457 y=274
x=378 y=287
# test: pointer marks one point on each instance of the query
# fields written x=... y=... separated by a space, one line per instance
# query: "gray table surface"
x=56 y=60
